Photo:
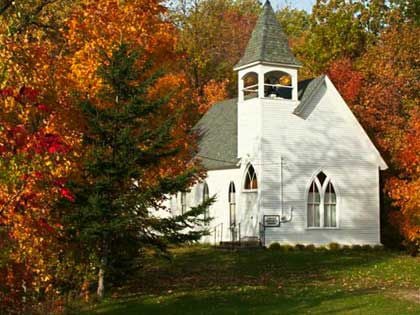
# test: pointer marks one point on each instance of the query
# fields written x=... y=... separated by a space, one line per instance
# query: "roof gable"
x=341 y=102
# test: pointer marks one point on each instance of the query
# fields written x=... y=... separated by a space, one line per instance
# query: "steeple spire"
x=268 y=42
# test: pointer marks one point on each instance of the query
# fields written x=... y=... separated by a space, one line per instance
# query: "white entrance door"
x=249 y=220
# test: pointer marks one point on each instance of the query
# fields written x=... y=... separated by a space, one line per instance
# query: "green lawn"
x=202 y=280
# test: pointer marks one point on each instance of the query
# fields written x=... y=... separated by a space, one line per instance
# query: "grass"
x=202 y=280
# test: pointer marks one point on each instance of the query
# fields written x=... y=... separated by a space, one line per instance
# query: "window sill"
x=250 y=190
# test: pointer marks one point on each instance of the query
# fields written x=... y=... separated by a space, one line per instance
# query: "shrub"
x=378 y=247
x=286 y=248
x=413 y=248
x=367 y=247
x=310 y=247
x=356 y=247
x=274 y=246
x=299 y=247
x=345 y=247
x=334 y=246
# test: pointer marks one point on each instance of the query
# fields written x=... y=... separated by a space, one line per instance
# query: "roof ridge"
x=267 y=6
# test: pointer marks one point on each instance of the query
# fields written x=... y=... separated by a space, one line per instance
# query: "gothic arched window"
x=232 y=204
x=322 y=202
x=206 y=197
x=251 y=182
x=183 y=202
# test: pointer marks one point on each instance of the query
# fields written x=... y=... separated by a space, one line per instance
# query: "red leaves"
x=29 y=135
x=27 y=94
x=50 y=143
x=66 y=193
x=347 y=80
x=42 y=108
x=45 y=226
x=6 y=92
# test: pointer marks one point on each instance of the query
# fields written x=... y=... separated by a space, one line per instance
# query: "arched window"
x=322 y=202
x=183 y=202
x=278 y=84
x=330 y=205
x=251 y=182
x=206 y=197
x=250 y=81
x=314 y=201
x=232 y=204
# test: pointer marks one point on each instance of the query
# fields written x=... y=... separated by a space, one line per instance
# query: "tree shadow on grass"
x=203 y=280
x=249 y=301
x=208 y=268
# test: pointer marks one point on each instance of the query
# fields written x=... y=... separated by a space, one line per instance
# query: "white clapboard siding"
x=325 y=137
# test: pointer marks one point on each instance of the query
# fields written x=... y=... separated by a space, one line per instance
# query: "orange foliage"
x=384 y=96
x=388 y=105
x=213 y=92
x=96 y=28
x=347 y=79
x=41 y=128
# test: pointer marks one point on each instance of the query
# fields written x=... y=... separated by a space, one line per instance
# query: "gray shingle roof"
x=268 y=42
x=219 y=128
x=307 y=90
x=219 y=135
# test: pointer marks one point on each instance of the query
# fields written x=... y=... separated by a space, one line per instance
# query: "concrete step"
x=245 y=244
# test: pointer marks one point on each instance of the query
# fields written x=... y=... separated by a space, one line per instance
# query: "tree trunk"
x=101 y=274
x=101 y=288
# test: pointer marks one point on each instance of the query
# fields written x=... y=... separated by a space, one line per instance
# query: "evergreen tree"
x=111 y=219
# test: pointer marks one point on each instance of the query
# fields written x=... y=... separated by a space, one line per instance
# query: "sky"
x=298 y=4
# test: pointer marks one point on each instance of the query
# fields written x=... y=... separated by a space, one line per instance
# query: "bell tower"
x=267 y=76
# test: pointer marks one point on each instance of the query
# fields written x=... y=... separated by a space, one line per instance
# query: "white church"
x=287 y=160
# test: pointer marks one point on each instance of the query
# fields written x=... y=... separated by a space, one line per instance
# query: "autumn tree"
x=390 y=105
x=339 y=29
x=213 y=36
x=38 y=153
x=347 y=79
x=126 y=136
x=293 y=21
x=57 y=50
x=383 y=93
x=34 y=164
x=95 y=34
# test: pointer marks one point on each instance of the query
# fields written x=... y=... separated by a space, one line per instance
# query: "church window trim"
x=328 y=200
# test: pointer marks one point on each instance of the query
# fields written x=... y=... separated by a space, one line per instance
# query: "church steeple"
x=268 y=68
x=268 y=43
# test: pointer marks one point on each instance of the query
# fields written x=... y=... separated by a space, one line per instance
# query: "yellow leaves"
x=213 y=93
x=105 y=25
